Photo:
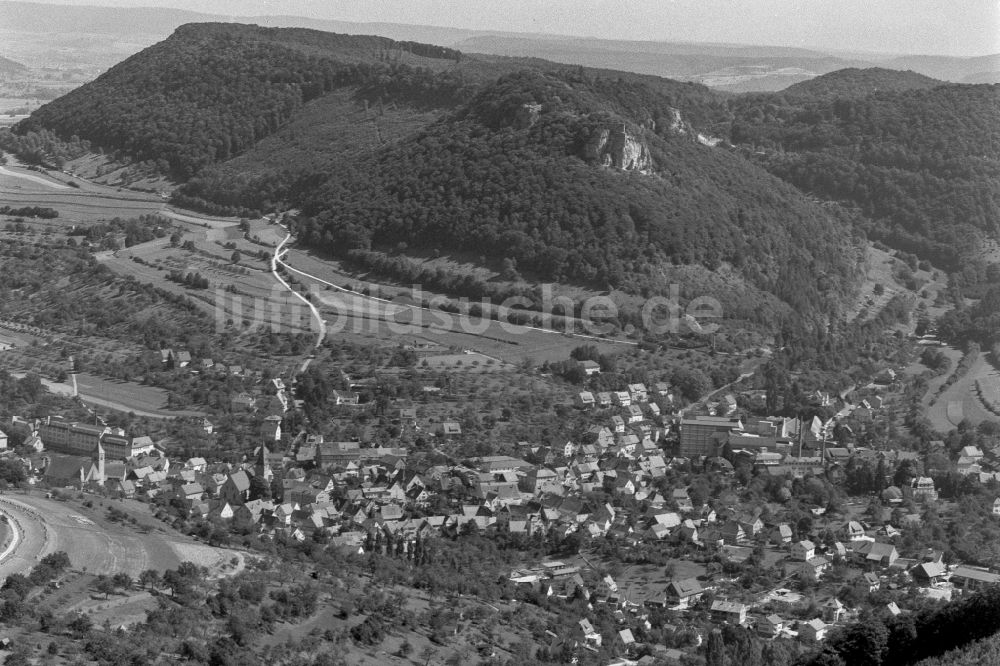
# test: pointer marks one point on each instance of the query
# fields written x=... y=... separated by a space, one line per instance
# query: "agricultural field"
x=126 y=397
x=101 y=542
x=80 y=202
x=961 y=400
x=243 y=294
x=988 y=388
x=390 y=311
x=95 y=544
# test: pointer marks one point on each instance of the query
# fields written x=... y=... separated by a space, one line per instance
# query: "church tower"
x=99 y=463
x=261 y=468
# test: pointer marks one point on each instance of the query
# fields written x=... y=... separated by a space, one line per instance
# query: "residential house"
x=243 y=402
x=223 y=511
x=966 y=466
x=833 y=610
x=733 y=533
x=854 y=531
x=638 y=393
x=752 y=525
x=270 y=430
x=683 y=593
x=803 y=550
x=590 y=367
x=617 y=424
x=602 y=437
x=590 y=636
x=874 y=552
x=929 y=573
x=190 y=492
x=771 y=626
x=729 y=611
x=252 y=512
x=813 y=630
x=688 y=531
x=122 y=488
x=448 y=429
x=282 y=514
x=683 y=500
x=345 y=398
x=236 y=489
x=813 y=568
x=196 y=464
x=922 y=489
x=972 y=578
x=585 y=400
x=781 y=533
x=624 y=639
x=621 y=398
x=974 y=453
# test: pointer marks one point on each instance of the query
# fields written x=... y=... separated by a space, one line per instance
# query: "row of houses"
x=635 y=395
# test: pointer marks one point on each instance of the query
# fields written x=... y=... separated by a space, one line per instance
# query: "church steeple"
x=98 y=458
x=262 y=468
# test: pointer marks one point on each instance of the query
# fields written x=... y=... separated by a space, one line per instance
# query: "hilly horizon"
x=730 y=67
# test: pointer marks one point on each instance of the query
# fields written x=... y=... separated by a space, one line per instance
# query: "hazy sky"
x=947 y=27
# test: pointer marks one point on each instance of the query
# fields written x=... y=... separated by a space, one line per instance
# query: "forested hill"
x=853 y=82
x=922 y=165
x=211 y=91
x=578 y=175
x=541 y=169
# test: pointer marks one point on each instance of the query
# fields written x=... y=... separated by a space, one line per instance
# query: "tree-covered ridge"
x=646 y=101
x=854 y=82
x=532 y=192
x=211 y=91
x=922 y=165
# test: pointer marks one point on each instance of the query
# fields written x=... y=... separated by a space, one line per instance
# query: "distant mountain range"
x=735 y=68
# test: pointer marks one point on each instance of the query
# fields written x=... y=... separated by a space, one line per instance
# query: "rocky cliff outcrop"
x=619 y=149
x=527 y=115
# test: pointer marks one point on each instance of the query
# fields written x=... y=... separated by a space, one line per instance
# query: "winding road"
x=275 y=262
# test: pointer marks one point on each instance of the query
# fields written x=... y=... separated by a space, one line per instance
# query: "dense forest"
x=922 y=165
x=483 y=181
x=212 y=91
